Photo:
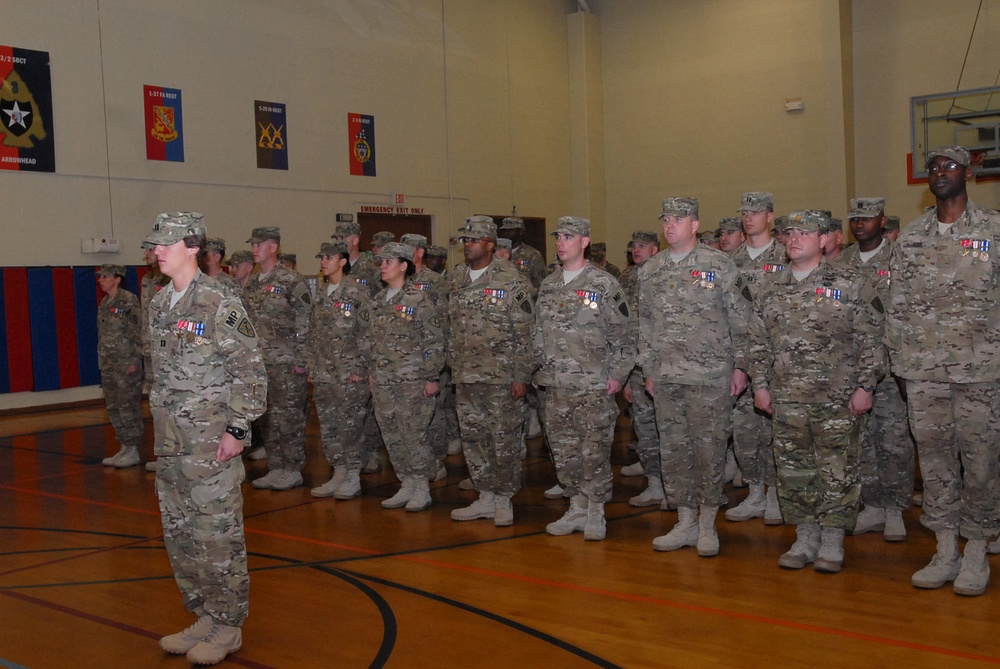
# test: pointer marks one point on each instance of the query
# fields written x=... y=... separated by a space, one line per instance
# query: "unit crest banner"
x=361 y=140
x=272 y=135
x=164 y=123
x=27 y=138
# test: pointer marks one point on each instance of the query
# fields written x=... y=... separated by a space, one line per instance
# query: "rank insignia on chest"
x=345 y=307
x=703 y=278
x=274 y=290
x=422 y=286
x=978 y=248
x=404 y=311
x=589 y=298
x=493 y=295
x=770 y=268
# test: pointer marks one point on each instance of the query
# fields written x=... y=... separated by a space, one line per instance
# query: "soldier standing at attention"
x=759 y=257
x=211 y=263
x=437 y=259
x=151 y=283
x=338 y=353
x=279 y=304
x=491 y=316
x=891 y=228
x=363 y=270
x=241 y=265
x=731 y=235
x=208 y=384
x=834 y=231
x=944 y=339
x=692 y=323
x=584 y=344
x=599 y=256
x=407 y=358
x=119 y=357
x=815 y=356
x=644 y=245
x=886 y=445
x=528 y=260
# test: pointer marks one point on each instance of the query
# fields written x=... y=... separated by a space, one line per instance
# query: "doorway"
x=397 y=224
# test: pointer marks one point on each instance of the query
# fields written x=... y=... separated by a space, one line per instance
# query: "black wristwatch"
x=868 y=389
x=238 y=432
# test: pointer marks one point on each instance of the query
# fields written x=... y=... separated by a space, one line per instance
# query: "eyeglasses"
x=950 y=166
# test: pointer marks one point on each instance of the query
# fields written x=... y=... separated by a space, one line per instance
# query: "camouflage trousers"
x=955 y=427
x=341 y=408
x=580 y=427
x=694 y=426
x=450 y=414
x=752 y=441
x=437 y=435
x=887 y=451
x=644 y=425
x=123 y=398
x=491 y=423
x=283 y=425
x=404 y=417
x=817 y=451
x=201 y=508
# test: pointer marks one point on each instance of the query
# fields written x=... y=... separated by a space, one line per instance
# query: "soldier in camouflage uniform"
x=151 y=284
x=208 y=384
x=211 y=263
x=584 y=342
x=780 y=231
x=338 y=355
x=644 y=245
x=834 y=230
x=526 y=259
x=407 y=358
x=692 y=321
x=944 y=339
x=491 y=317
x=599 y=256
x=731 y=235
x=437 y=260
x=760 y=256
x=119 y=357
x=815 y=357
x=279 y=303
x=886 y=445
x=289 y=260
x=241 y=266
x=891 y=228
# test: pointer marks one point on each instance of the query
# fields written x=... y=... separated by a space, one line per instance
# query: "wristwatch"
x=238 y=432
x=868 y=389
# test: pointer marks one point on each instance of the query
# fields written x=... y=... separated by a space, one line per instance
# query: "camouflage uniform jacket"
x=436 y=288
x=407 y=337
x=630 y=282
x=151 y=284
x=207 y=371
x=611 y=269
x=819 y=339
x=879 y=265
x=692 y=320
x=339 y=341
x=753 y=270
x=529 y=262
x=491 y=320
x=584 y=331
x=944 y=306
x=119 y=337
x=279 y=303
x=229 y=280
x=365 y=273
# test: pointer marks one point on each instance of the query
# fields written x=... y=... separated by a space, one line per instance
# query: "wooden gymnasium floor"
x=84 y=581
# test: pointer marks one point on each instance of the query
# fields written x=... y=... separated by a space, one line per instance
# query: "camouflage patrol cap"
x=265 y=234
x=217 y=244
x=383 y=238
x=288 y=257
x=572 y=225
x=512 y=223
x=239 y=257
x=504 y=243
x=599 y=247
x=145 y=246
x=414 y=240
x=478 y=227
x=809 y=220
x=644 y=237
x=756 y=201
x=332 y=248
x=781 y=223
x=867 y=207
x=959 y=154
x=342 y=230
x=437 y=252
x=891 y=223
x=108 y=269
x=396 y=250
x=832 y=225
x=170 y=228
x=681 y=207
x=730 y=224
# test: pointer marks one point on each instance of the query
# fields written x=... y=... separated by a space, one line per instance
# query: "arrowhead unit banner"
x=361 y=138
x=164 y=123
x=272 y=135
x=27 y=139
